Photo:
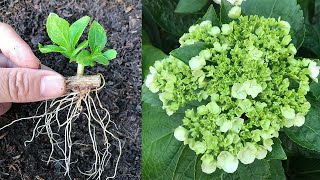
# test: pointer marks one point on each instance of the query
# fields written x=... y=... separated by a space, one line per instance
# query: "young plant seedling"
x=66 y=39
x=80 y=87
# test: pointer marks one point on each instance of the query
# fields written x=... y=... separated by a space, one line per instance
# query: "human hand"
x=21 y=79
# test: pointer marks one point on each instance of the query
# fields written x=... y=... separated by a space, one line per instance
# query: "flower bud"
x=181 y=133
x=234 y=12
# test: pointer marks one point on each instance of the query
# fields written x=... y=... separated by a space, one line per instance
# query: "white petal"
x=299 y=120
x=226 y=126
x=214 y=31
x=288 y=112
x=261 y=152
x=196 y=63
x=209 y=165
x=235 y=12
x=227 y=162
x=314 y=69
x=247 y=154
x=181 y=133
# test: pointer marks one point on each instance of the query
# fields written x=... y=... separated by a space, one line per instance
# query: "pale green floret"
x=213 y=108
x=238 y=91
x=209 y=165
x=235 y=12
x=226 y=126
x=215 y=30
x=247 y=84
x=285 y=26
x=237 y=124
x=181 y=133
x=227 y=29
x=193 y=28
x=206 y=24
x=199 y=147
x=252 y=88
x=206 y=54
x=227 y=162
x=286 y=40
x=314 y=69
x=288 y=112
x=197 y=63
x=248 y=153
x=299 y=120
x=267 y=143
x=261 y=152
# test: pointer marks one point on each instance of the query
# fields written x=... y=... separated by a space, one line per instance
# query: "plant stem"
x=80 y=70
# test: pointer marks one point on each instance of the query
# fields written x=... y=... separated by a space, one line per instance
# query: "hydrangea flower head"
x=243 y=82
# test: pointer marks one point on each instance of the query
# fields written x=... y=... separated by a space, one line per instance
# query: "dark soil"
x=121 y=96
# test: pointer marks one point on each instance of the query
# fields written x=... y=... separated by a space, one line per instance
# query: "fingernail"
x=52 y=86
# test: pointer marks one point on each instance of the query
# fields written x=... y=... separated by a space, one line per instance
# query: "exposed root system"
x=59 y=131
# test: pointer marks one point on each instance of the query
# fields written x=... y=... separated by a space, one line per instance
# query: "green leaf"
x=185 y=53
x=163 y=13
x=303 y=168
x=81 y=46
x=58 y=30
x=160 y=150
x=50 y=48
x=277 y=151
x=276 y=171
x=210 y=15
x=84 y=58
x=149 y=97
x=199 y=175
x=311 y=9
x=101 y=59
x=224 y=11
x=150 y=54
x=312 y=38
x=190 y=6
x=308 y=135
x=110 y=54
x=186 y=165
x=315 y=89
x=97 y=37
x=293 y=149
x=288 y=10
x=77 y=28
x=258 y=170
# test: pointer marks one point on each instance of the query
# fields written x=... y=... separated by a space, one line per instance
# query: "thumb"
x=29 y=85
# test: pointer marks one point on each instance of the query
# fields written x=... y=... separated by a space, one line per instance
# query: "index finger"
x=16 y=49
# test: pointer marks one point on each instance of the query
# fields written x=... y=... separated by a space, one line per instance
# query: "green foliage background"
x=296 y=155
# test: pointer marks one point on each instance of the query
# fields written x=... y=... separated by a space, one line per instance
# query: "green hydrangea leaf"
x=210 y=15
x=110 y=54
x=150 y=54
x=185 y=53
x=276 y=170
x=277 y=151
x=58 y=30
x=163 y=13
x=50 y=48
x=160 y=150
x=190 y=6
x=84 y=58
x=293 y=149
x=288 y=10
x=101 y=59
x=81 y=46
x=97 y=38
x=186 y=165
x=308 y=135
x=76 y=29
x=224 y=10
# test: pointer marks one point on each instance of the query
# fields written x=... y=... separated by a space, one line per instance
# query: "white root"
x=54 y=127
